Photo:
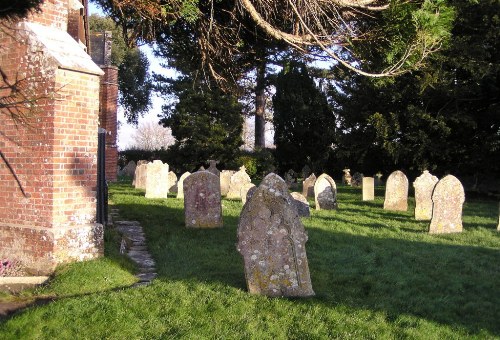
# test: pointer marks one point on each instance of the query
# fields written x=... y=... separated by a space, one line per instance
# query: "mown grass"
x=376 y=274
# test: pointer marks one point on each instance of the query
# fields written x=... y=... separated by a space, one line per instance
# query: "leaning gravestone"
x=157 y=180
x=172 y=182
x=308 y=186
x=447 y=200
x=225 y=179
x=396 y=192
x=213 y=168
x=141 y=172
x=325 y=193
x=129 y=169
x=237 y=181
x=424 y=186
x=180 y=184
x=301 y=204
x=202 y=200
x=244 y=191
x=368 y=189
x=271 y=239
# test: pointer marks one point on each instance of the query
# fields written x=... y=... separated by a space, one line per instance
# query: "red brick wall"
x=54 y=13
x=108 y=118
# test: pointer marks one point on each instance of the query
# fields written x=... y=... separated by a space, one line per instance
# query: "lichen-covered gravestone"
x=202 y=200
x=157 y=180
x=325 y=193
x=180 y=184
x=368 y=189
x=447 y=200
x=271 y=239
x=396 y=192
x=140 y=176
x=172 y=182
x=424 y=186
x=236 y=182
x=244 y=191
x=225 y=179
x=301 y=204
x=308 y=186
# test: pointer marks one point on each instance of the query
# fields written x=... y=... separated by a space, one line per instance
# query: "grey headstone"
x=424 y=186
x=396 y=192
x=325 y=193
x=202 y=200
x=129 y=169
x=308 y=186
x=237 y=181
x=301 y=204
x=447 y=201
x=244 y=191
x=357 y=179
x=140 y=176
x=213 y=168
x=271 y=239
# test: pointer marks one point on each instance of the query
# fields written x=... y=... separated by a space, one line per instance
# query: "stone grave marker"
x=424 y=186
x=157 y=180
x=202 y=168
x=378 y=179
x=368 y=189
x=129 y=169
x=325 y=193
x=306 y=171
x=213 y=168
x=225 y=179
x=308 y=186
x=291 y=179
x=396 y=192
x=498 y=227
x=172 y=182
x=357 y=179
x=271 y=239
x=202 y=200
x=180 y=184
x=244 y=191
x=346 y=177
x=301 y=204
x=236 y=182
x=447 y=200
x=140 y=176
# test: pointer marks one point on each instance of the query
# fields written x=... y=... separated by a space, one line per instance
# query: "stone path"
x=134 y=245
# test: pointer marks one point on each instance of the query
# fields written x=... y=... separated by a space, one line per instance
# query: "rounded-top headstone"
x=202 y=200
x=308 y=186
x=271 y=239
x=447 y=201
x=172 y=182
x=396 y=192
x=180 y=184
x=236 y=182
x=325 y=193
x=424 y=186
x=301 y=204
x=157 y=180
x=225 y=179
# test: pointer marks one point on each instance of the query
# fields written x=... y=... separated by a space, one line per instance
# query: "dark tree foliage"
x=206 y=122
x=19 y=9
x=445 y=118
x=304 y=123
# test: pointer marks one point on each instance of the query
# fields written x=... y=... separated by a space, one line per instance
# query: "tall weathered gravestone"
x=180 y=184
x=325 y=193
x=236 y=182
x=225 y=180
x=396 y=192
x=172 y=182
x=368 y=189
x=308 y=186
x=271 y=239
x=301 y=204
x=202 y=200
x=424 y=186
x=244 y=191
x=447 y=200
x=157 y=180
x=140 y=175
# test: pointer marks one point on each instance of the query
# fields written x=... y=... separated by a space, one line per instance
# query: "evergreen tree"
x=304 y=124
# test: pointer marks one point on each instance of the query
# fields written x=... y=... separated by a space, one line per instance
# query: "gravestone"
x=306 y=171
x=180 y=184
x=498 y=227
x=202 y=200
x=396 y=192
x=447 y=200
x=213 y=168
x=202 y=168
x=301 y=204
x=308 y=186
x=424 y=186
x=357 y=179
x=172 y=182
x=378 y=179
x=140 y=176
x=237 y=181
x=244 y=191
x=225 y=179
x=271 y=239
x=368 y=189
x=129 y=169
x=157 y=180
x=291 y=179
x=346 y=178
x=250 y=193
x=325 y=193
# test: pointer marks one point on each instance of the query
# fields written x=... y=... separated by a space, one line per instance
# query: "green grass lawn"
x=376 y=274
